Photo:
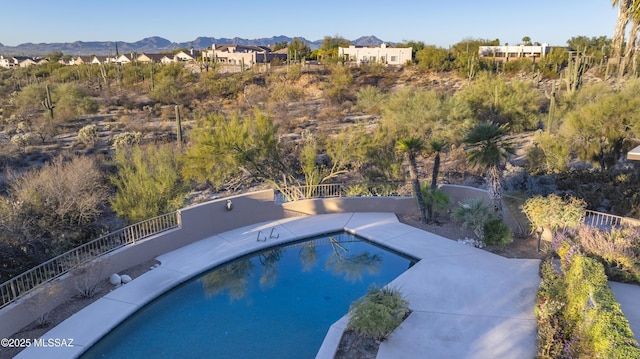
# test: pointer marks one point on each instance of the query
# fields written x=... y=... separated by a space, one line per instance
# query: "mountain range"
x=155 y=44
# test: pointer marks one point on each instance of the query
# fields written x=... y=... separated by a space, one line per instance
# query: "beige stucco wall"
x=458 y=194
x=399 y=205
x=364 y=54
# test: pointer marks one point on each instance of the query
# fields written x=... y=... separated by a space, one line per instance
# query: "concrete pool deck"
x=466 y=302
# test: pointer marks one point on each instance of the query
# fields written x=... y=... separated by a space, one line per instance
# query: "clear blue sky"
x=440 y=23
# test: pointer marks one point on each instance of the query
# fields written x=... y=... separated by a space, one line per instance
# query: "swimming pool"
x=278 y=303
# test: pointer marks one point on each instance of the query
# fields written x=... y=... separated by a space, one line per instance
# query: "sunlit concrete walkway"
x=466 y=302
x=628 y=295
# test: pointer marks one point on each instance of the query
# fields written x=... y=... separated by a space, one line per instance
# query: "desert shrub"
x=519 y=65
x=554 y=212
x=284 y=93
x=550 y=153
x=436 y=198
x=496 y=232
x=127 y=139
x=59 y=201
x=71 y=101
x=22 y=140
x=88 y=135
x=340 y=80
x=378 y=313
x=148 y=182
x=369 y=99
x=28 y=99
x=356 y=190
x=614 y=191
x=494 y=99
x=550 y=302
x=602 y=331
x=255 y=94
x=473 y=214
x=578 y=316
x=219 y=85
x=434 y=58
x=617 y=249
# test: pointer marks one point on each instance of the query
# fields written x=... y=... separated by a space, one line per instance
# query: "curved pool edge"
x=492 y=313
x=90 y=324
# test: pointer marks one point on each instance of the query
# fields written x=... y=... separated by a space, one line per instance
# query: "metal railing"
x=26 y=282
x=387 y=189
x=608 y=221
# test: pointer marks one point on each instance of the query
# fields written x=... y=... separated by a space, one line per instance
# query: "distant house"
x=190 y=56
x=126 y=59
x=81 y=60
x=506 y=52
x=104 y=60
x=7 y=62
x=241 y=55
x=24 y=61
x=155 y=58
x=382 y=54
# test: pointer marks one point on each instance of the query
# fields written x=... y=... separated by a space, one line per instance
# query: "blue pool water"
x=278 y=303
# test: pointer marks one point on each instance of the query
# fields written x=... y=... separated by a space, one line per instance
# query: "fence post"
x=13 y=290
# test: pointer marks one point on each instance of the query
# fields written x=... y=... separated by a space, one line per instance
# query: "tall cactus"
x=178 y=126
x=151 y=87
x=575 y=69
x=552 y=106
x=105 y=74
x=47 y=103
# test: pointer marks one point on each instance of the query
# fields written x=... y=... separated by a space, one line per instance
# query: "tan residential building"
x=246 y=56
x=7 y=62
x=382 y=54
x=155 y=58
x=506 y=52
x=187 y=56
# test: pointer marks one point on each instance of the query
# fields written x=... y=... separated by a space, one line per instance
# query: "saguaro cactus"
x=151 y=70
x=178 y=126
x=552 y=106
x=47 y=103
x=576 y=67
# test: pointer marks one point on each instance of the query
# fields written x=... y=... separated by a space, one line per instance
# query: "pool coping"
x=94 y=321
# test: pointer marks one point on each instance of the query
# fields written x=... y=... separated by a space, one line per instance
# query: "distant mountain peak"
x=157 y=44
x=367 y=41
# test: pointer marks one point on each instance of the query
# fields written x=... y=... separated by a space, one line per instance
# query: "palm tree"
x=624 y=16
x=631 y=48
x=489 y=150
x=411 y=147
x=435 y=147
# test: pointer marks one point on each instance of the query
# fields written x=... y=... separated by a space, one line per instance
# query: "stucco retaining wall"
x=398 y=205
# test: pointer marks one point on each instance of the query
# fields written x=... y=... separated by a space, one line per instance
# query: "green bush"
x=618 y=249
x=496 y=232
x=578 y=315
x=602 y=331
x=378 y=313
x=370 y=99
x=148 y=182
x=88 y=135
x=475 y=214
x=127 y=139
